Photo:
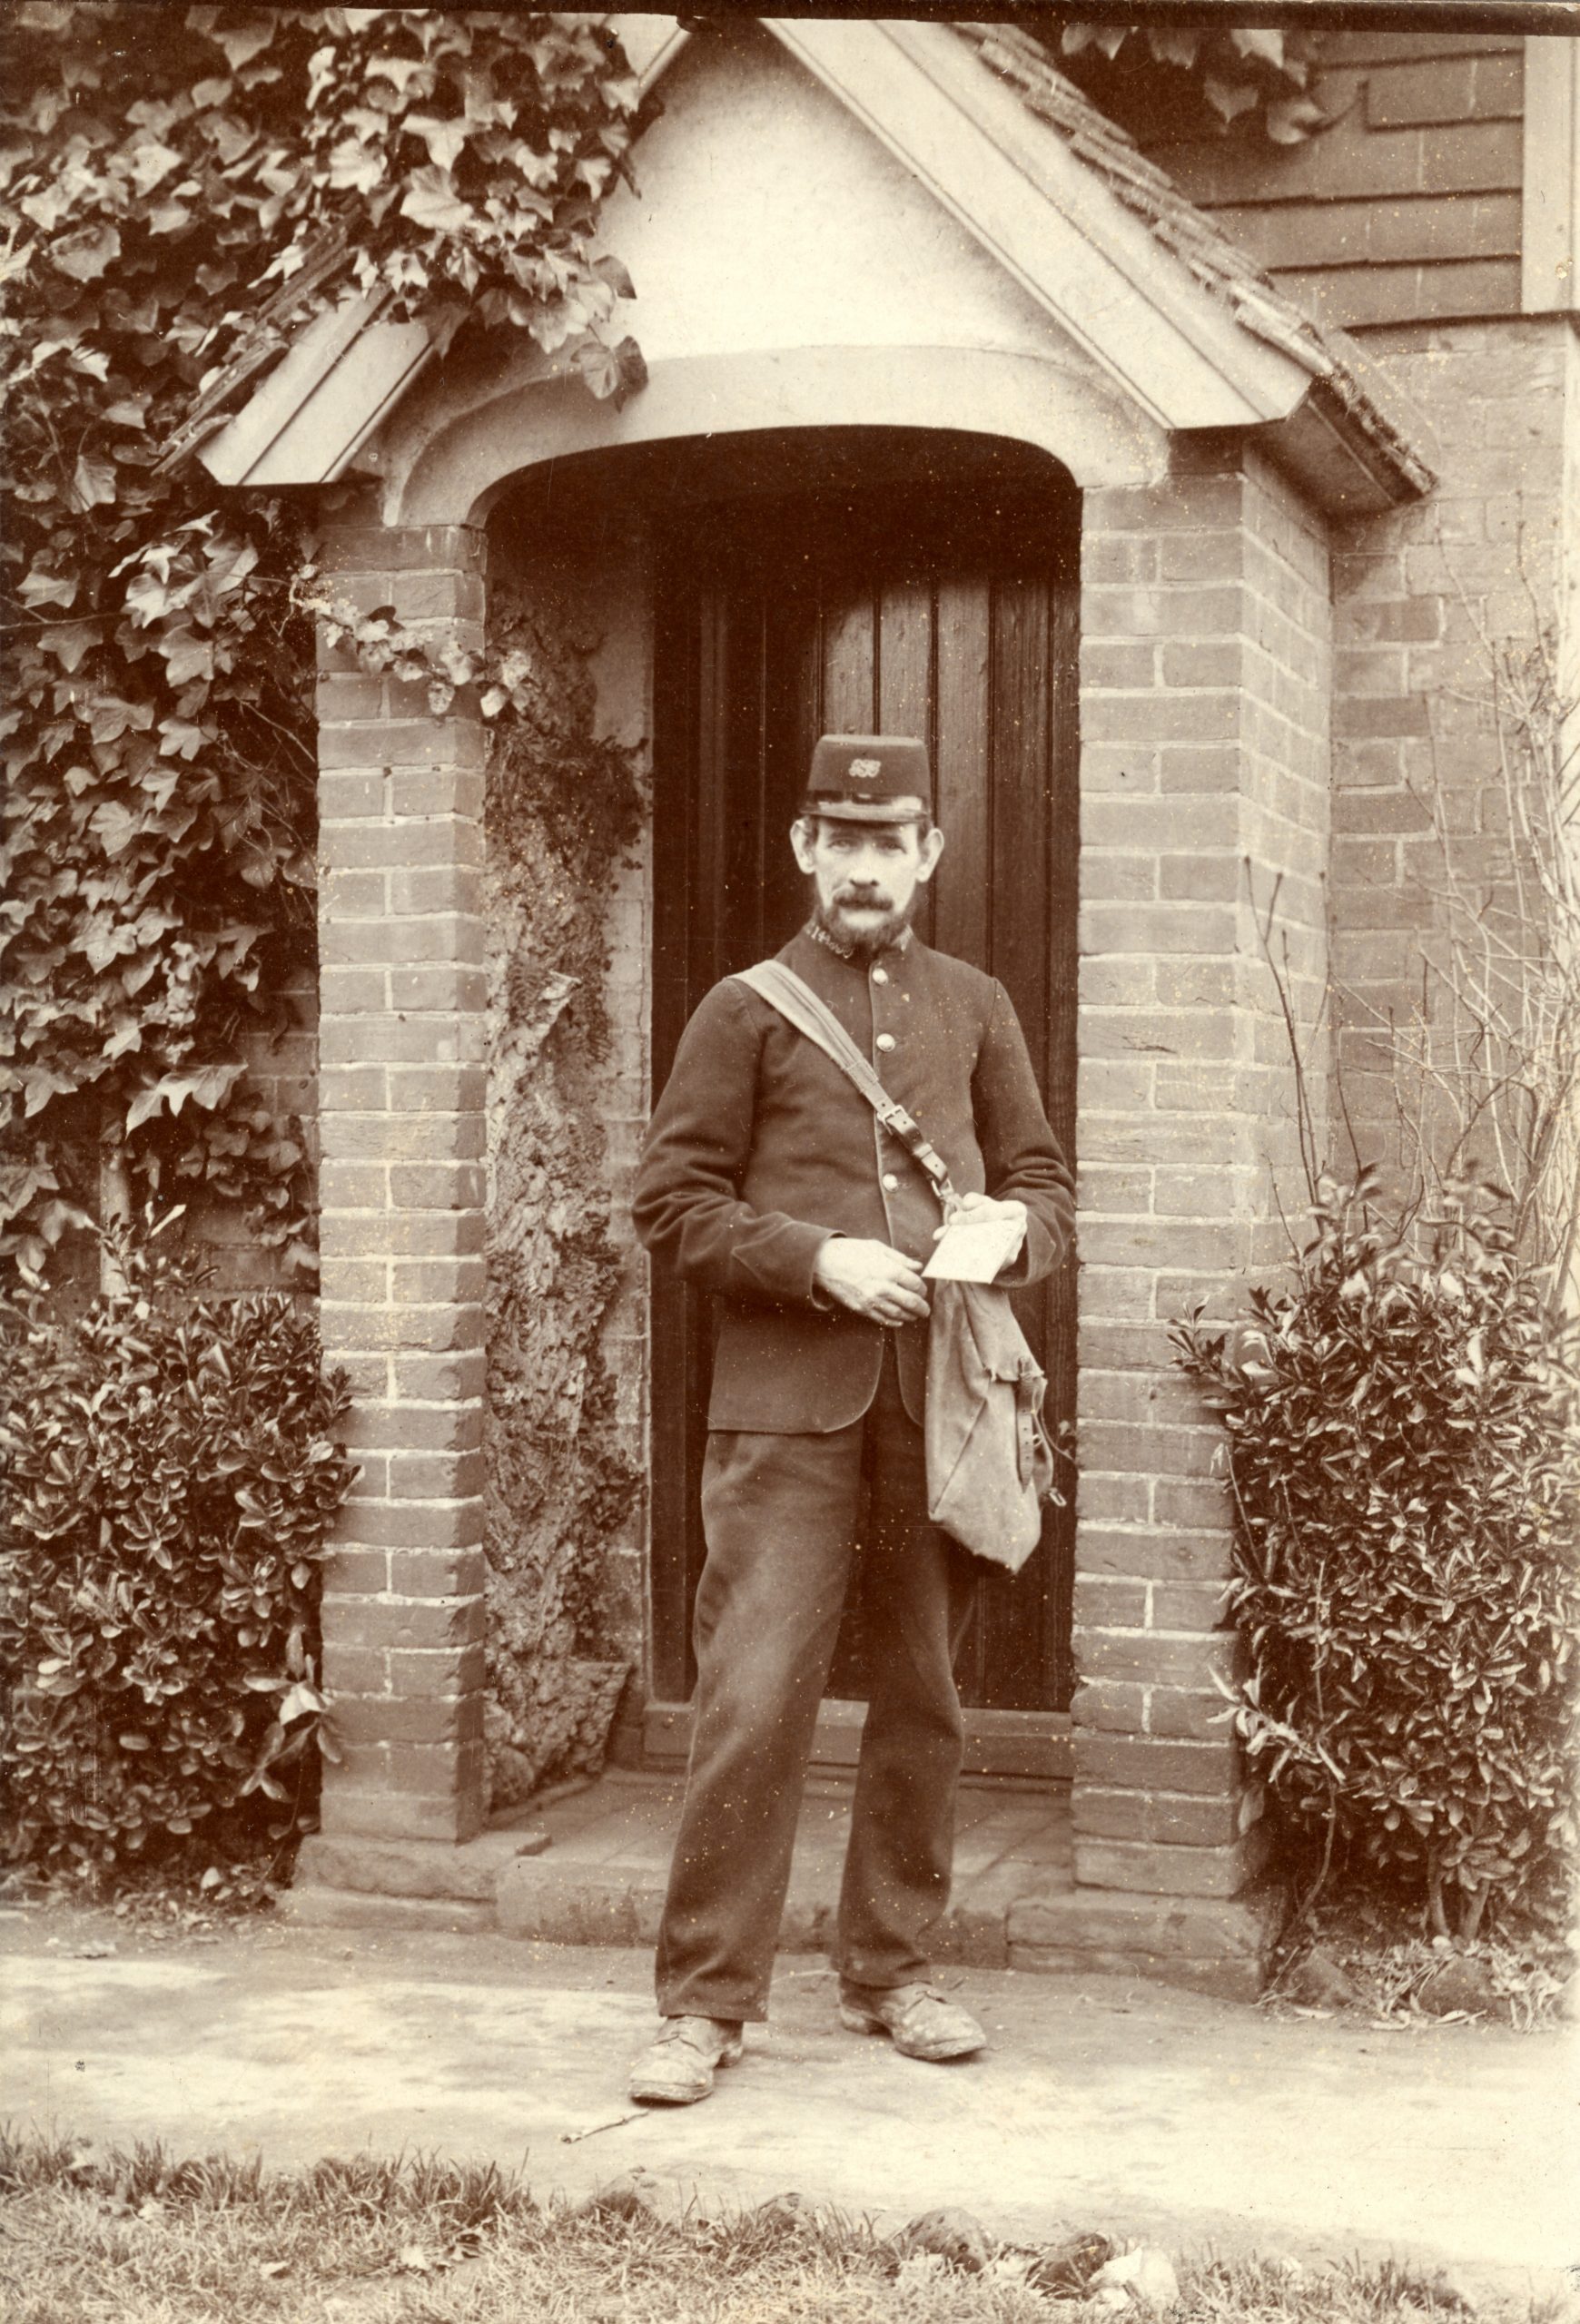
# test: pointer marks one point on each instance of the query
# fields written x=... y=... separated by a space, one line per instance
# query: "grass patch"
x=89 y=2237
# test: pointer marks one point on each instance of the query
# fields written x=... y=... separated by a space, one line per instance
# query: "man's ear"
x=802 y=839
x=932 y=848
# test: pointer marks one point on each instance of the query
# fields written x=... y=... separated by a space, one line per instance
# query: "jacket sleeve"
x=686 y=1207
x=1020 y=1155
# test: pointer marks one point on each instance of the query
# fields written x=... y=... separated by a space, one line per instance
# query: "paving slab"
x=1103 y=2101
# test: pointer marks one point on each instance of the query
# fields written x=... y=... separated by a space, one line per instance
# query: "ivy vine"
x=1159 y=79
x=181 y=188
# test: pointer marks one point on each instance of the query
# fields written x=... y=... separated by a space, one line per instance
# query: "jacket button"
x=880 y=976
x=890 y=1182
x=885 y=1040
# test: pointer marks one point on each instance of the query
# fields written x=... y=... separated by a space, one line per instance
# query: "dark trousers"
x=781 y=1514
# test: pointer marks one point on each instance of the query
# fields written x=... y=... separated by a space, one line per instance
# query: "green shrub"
x=1405 y=1474
x=171 y=1475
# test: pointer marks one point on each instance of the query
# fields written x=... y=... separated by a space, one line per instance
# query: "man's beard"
x=861 y=944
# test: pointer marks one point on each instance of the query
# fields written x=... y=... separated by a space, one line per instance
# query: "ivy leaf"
x=1267 y=47
x=208 y=1087
x=68 y=641
x=187 y=655
x=183 y=739
x=355 y=166
x=86 y=255
x=443 y=139
x=44 y=588
x=92 y=483
x=113 y=825
x=432 y=200
x=401 y=70
x=151 y=163
x=39 y=1085
x=1173 y=44
x=241 y=42
x=1292 y=119
x=147 y=598
x=612 y=271
x=1228 y=99
x=110 y=716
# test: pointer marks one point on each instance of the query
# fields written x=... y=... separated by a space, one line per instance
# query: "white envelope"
x=972 y=1250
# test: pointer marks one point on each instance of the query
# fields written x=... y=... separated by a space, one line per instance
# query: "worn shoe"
x=677 y=2069
x=917 y=2019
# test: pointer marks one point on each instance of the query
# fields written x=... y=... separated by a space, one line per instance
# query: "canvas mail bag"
x=989 y=1463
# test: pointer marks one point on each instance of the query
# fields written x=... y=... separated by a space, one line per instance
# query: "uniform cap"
x=869 y=778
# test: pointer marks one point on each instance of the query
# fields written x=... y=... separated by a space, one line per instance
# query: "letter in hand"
x=977 y=1240
x=871 y=1279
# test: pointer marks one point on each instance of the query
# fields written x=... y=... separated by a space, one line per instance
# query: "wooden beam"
x=1550 y=226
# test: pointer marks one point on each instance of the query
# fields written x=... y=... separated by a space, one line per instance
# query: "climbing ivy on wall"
x=564 y=806
x=181 y=188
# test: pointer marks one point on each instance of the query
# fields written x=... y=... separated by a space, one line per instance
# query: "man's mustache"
x=865 y=898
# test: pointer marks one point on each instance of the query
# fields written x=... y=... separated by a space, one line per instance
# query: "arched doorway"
x=793 y=581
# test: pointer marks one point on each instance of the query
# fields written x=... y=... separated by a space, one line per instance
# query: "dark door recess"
x=947 y=615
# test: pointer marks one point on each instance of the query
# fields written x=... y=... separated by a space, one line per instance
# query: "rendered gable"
x=767 y=217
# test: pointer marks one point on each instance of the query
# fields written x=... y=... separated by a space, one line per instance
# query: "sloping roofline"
x=1161 y=301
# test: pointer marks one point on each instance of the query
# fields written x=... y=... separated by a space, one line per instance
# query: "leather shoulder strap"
x=797 y=1002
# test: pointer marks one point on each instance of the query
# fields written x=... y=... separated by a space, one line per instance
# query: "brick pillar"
x=401 y=1093
x=1204 y=698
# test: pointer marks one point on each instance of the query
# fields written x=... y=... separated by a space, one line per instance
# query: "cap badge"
x=866 y=770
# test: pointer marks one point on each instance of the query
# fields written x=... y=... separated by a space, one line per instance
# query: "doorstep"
x=588 y=1867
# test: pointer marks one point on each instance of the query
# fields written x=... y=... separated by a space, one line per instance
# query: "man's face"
x=867 y=877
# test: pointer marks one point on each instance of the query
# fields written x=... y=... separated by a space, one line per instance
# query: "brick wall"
x=1204 y=690
x=1408 y=206
x=1419 y=595
x=402 y=1200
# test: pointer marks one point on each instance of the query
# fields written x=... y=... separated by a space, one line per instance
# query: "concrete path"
x=1102 y=2103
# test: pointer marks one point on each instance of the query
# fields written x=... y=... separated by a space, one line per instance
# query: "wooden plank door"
x=950 y=616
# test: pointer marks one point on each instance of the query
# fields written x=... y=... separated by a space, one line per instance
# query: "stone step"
x=311 y=1905
x=619 y=1904
x=591 y=1869
x=470 y=1873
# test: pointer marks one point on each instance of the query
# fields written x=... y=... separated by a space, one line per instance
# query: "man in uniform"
x=767 y=1180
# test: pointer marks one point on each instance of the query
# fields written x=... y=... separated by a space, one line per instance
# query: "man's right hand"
x=871 y=1279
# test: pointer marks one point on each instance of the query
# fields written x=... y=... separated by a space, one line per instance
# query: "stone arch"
x=449 y=464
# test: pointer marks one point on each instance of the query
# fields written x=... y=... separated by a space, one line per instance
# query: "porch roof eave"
x=1175 y=314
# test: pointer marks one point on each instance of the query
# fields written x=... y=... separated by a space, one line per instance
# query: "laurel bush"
x=1405 y=1464
x=173 y=1471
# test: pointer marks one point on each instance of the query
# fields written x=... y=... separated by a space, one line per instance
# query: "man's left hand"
x=983 y=1207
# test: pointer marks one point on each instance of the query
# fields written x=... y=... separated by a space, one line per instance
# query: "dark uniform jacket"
x=760 y=1148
